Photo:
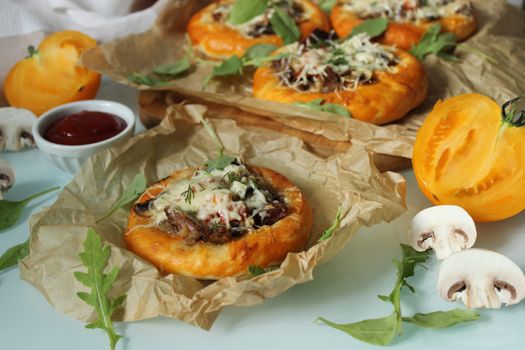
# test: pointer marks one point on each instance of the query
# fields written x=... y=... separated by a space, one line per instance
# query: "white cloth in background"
x=101 y=19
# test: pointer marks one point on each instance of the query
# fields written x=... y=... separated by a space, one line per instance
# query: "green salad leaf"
x=381 y=331
x=10 y=211
x=221 y=162
x=95 y=258
x=13 y=255
x=161 y=74
x=319 y=104
x=329 y=232
x=326 y=5
x=436 y=43
x=135 y=188
x=377 y=331
x=255 y=56
x=258 y=52
x=285 y=27
x=256 y=270
x=229 y=67
x=245 y=10
x=142 y=79
x=442 y=319
x=373 y=27
x=174 y=69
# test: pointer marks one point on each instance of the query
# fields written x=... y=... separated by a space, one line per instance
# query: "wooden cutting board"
x=153 y=105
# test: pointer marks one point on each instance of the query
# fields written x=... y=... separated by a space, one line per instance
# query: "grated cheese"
x=213 y=198
x=408 y=10
x=354 y=61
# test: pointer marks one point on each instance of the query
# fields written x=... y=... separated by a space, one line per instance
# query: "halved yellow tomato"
x=51 y=76
x=471 y=152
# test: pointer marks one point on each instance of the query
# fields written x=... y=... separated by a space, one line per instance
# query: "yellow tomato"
x=51 y=76
x=470 y=152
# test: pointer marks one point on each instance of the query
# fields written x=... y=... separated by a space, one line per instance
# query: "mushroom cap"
x=445 y=228
x=16 y=128
x=481 y=279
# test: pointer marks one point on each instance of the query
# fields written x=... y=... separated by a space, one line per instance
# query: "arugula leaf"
x=95 y=258
x=328 y=232
x=143 y=79
x=221 y=162
x=163 y=73
x=135 y=188
x=257 y=52
x=256 y=270
x=381 y=331
x=373 y=27
x=245 y=10
x=174 y=69
x=319 y=105
x=335 y=108
x=326 y=5
x=386 y=328
x=442 y=319
x=435 y=42
x=255 y=56
x=13 y=255
x=10 y=211
x=228 y=67
x=377 y=331
x=285 y=27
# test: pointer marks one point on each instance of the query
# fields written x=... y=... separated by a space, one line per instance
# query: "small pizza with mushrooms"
x=213 y=33
x=408 y=19
x=375 y=83
x=215 y=223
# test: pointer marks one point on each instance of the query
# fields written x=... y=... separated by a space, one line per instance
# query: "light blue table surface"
x=344 y=290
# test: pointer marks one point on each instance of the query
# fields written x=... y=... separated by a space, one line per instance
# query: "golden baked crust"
x=403 y=34
x=264 y=246
x=388 y=98
x=217 y=40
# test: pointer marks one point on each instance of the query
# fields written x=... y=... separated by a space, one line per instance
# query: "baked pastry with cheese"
x=408 y=19
x=215 y=223
x=375 y=83
x=212 y=33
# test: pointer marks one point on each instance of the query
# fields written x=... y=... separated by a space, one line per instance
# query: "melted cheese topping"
x=258 y=25
x=216 y=197
x=408 y=10
x=353 y=60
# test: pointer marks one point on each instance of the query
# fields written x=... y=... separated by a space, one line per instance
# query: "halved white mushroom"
x=7 y=177
x=445 y=228
x=481 y=279
x=15 y=128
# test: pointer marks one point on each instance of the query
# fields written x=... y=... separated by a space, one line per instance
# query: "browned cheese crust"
x=263 y=247
x=388 y=98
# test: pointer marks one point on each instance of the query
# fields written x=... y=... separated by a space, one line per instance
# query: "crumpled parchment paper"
x=351 y=180
x=501 y=75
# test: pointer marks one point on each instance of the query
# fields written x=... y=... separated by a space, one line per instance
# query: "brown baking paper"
x=57 y=234
x=501 y=35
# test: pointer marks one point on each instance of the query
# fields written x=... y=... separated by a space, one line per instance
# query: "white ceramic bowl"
x=70 y=158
